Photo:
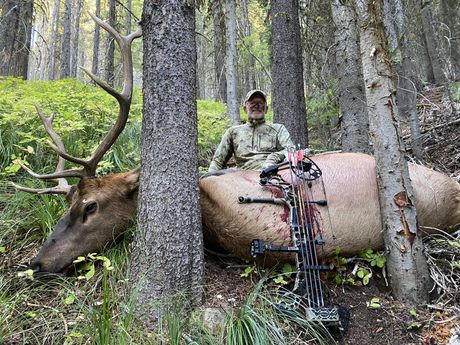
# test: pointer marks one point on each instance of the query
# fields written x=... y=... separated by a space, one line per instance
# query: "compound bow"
x=307 y=294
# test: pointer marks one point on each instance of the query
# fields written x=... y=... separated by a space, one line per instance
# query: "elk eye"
x=90 y=208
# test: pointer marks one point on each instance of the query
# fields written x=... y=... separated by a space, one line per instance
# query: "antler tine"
x=53 y=190
x=59 y=175
x=124 y=98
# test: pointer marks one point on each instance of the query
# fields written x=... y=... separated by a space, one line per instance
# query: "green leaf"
x=280 y=280
x=27 y=273
x=366 y=280
x=69 y=299
x=79 y=259
x=247 y=271
x=413 y=312
x=2 y=250
x=374 y=303
x=30 y=149
x=90 y=273
x=288 y=268
x=31 y=314
x=414 y=326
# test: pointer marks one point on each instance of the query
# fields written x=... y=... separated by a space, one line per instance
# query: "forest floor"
x=391 y=323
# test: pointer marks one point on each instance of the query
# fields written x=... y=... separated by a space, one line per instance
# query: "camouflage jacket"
x=254 y=147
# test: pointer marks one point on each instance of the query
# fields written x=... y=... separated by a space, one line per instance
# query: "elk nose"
x=35 y=266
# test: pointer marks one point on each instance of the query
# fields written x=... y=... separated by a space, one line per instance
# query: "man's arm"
x=223 y=153
x=283 y=143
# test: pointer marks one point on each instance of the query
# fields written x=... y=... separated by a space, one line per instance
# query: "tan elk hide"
x=350 y=221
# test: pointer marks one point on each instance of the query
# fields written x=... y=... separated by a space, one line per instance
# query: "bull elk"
x=101 y=208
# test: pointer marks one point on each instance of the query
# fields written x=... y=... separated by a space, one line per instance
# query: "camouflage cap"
x=253 y=93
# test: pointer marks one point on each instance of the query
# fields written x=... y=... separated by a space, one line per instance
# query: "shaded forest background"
x=48 y=40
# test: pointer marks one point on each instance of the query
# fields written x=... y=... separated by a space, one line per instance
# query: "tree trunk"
x=96 y=41
x=353 y=108
x=249 y=70
x=128 y=17
x=15 y=37
x=233 y=108
x=431 y=41
x=450 y=12
x=287 y=70
x=168 y=252
x=75 y=41
x=406 y=263
x=54 y=40
x=219 y=50
x=407 y=80
x=66 y=39
x=110 y=50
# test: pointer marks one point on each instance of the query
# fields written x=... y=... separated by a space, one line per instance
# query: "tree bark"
x=54 y=40
x=233 y=108
x=15 y=37
x=128 y=17
x=110 y=50
x=75 y=41
x=168 y=252
x=450 y=12
x=219 y=50
x=96 y=41
x=431 y=42
x=406 y=263
x=407 y=79
x=66 y=40
x=287 y=70
x=353 y=108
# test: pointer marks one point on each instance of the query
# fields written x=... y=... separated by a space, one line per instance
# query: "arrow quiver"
x=307 y=239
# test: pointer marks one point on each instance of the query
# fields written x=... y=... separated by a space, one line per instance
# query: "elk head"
x=100 y=207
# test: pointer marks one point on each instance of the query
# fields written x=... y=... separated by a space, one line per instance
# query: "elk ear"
x=70 y=194
x=132 y=182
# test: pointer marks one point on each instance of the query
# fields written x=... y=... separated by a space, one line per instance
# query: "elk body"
x=351 y=219
x=101 y=208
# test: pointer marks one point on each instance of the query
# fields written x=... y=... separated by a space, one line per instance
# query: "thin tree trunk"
x=110 y=50
x=450 y=12
x=75 y=41
x=407 y=80
x=167 y=259
x=96 y=41
x=353 y=107
x=128 y=16
x=219 y=50
x=54 y=40
x=431 y=41
x=287 y=70
x=233 y=108
x=406 y=263
x=66 y=40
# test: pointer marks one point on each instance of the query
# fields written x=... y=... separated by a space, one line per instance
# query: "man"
x=256 y=144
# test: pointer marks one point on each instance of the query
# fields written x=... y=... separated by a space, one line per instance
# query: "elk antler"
x=124 y=101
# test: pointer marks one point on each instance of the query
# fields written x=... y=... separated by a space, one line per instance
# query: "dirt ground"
x=390 y=324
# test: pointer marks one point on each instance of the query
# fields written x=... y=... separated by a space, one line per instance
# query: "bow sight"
x=306 y=235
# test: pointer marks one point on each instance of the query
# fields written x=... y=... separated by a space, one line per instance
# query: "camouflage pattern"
x=254 y=146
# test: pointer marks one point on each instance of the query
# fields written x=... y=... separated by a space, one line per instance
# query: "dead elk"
x=351 y=219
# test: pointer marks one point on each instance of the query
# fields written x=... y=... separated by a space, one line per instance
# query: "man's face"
x=256 y=107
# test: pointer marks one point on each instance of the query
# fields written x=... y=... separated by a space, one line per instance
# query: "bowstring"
x=310 y=237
